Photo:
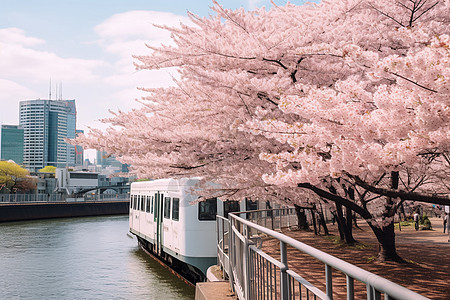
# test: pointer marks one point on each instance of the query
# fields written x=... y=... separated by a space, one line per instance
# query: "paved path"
x=427 y=252
x=408 y=235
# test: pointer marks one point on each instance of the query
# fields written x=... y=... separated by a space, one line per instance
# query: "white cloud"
x=253 y=4
x=18 y=59
x=128 y=33
x=138 y=24
x=17 y=36
x=109 y=82
x=9 y=111
x=125 y=35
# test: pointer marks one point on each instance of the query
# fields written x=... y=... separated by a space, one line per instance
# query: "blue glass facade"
x=79 y=153
x=11 y=143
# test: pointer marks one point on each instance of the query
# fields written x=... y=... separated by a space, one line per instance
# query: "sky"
x=82 y=50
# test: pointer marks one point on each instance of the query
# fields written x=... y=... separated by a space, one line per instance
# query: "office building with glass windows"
x=79 y=153
x=46 y=125
x=11 y=143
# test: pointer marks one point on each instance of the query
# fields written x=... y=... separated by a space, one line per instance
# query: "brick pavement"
x=427 y=252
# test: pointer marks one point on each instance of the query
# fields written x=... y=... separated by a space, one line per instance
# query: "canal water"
x=81 y=258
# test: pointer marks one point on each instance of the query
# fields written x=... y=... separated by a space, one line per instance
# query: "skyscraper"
x=79 y=154
x=11 y=143
x=46 y=124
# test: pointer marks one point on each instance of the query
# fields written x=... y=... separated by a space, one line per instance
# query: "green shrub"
x=426 y=223
x=422 y=219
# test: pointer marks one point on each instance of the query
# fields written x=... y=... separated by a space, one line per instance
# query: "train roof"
x=168 y=184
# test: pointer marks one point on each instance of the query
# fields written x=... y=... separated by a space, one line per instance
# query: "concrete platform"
x=214 y=290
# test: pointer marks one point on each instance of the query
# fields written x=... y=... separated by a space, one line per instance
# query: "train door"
x=158 y=219
x=137 y=213
x=142 y=226
x=130 y=218
x=134 y=220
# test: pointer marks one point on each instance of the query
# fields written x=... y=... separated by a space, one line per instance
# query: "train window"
x=268 y=206
x=151 y=207
x=131 y=202
x=142 y=203
x=250 y=204
x=167 y=207
x=135 y=202
x=147 y=207
x=230 y=206
x=156 y=207
x=207 y=210
x=176 y=209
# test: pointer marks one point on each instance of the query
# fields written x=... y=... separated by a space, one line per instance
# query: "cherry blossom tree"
x=346 y=100
x=367 y=136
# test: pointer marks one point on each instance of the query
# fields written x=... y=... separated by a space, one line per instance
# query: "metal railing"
x=253 y=274
x=29 y=198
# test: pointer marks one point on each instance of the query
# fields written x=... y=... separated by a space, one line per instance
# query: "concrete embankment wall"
x=33 y=211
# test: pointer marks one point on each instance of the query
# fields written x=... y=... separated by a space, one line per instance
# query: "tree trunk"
x=387 y=250
x=355 y=223
x=313 y=216
x=349 y=219
x=346 y=234
x=386 y=235
x=302 y=222
x=344 y=231
x=322 y=221
x=338 y=221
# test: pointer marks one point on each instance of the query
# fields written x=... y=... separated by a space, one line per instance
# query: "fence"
x=253 y=274
x=21 y=198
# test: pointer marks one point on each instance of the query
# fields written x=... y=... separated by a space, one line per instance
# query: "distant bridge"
x=120 y=189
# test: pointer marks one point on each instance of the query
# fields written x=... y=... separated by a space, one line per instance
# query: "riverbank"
x=10 y=212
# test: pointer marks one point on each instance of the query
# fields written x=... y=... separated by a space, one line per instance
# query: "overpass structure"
x=119 y=189
x=78 y=183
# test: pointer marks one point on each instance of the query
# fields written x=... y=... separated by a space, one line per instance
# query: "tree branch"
x=413 y=196
x=337 y=199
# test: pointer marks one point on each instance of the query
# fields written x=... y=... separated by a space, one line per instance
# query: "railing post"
x=369 y=292
x=329 y=281
x=281 y=222
x=230 y=253
x=350 y=288
x=271 y=218
x=284 y=277
x=245 y=258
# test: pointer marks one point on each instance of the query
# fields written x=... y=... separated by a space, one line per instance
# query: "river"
x=81 y=258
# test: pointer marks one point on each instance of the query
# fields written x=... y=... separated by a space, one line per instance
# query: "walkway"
x=427 y=252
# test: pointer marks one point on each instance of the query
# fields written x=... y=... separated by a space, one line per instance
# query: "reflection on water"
x=83 y=258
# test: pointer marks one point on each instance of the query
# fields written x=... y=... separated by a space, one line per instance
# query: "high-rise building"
x=79 y=153
x=105 y=160
x=11 y=143
x=46 y=124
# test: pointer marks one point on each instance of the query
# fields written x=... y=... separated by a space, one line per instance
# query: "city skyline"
x=85 y=49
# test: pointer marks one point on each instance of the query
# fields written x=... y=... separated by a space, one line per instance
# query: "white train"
x=170 y=227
